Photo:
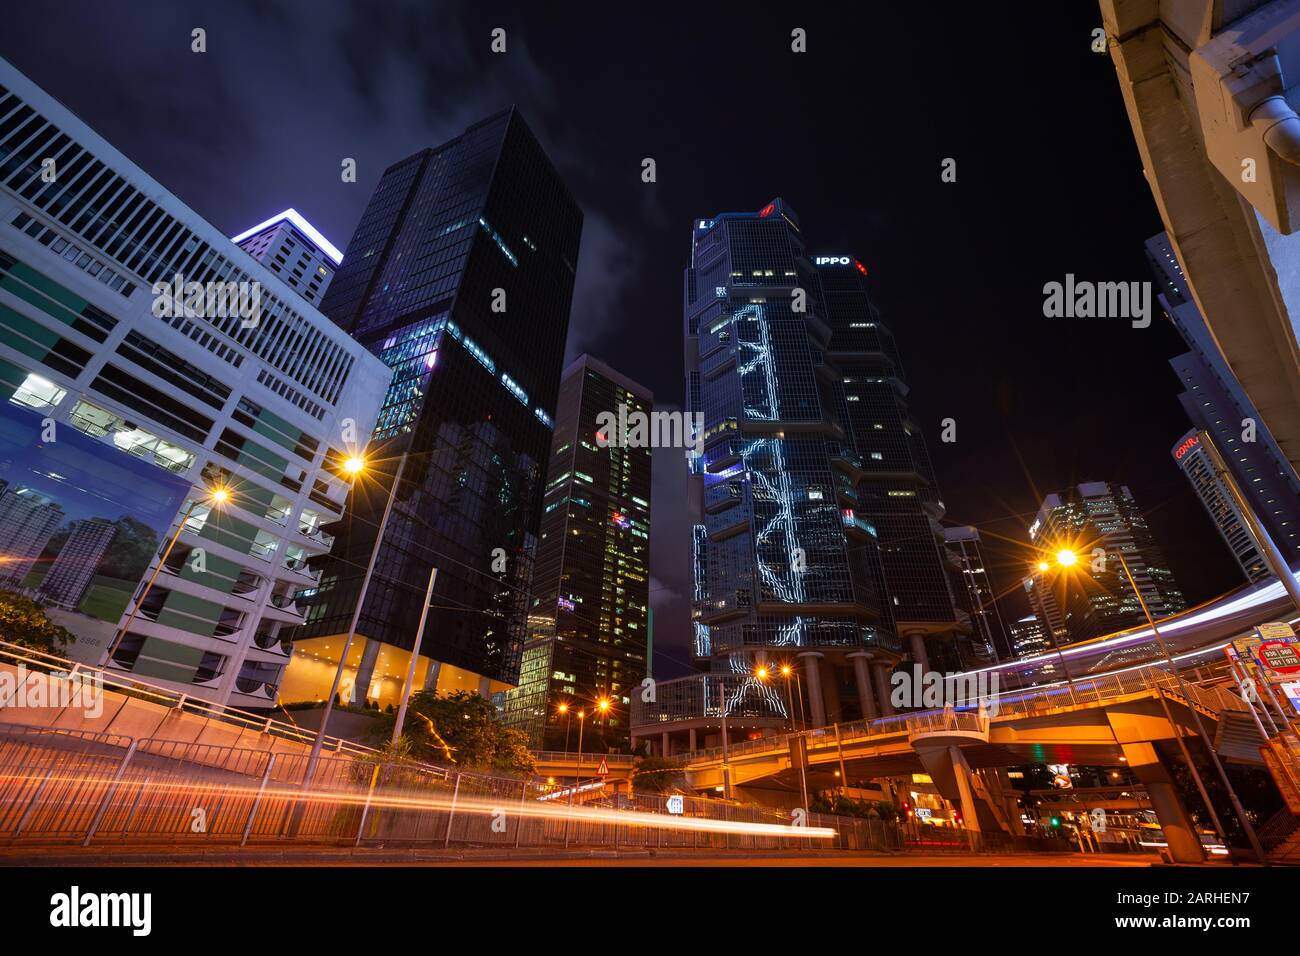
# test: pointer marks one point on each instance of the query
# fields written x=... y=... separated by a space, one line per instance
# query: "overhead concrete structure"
x=1210 y=87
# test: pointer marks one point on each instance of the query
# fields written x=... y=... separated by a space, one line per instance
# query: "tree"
x=656 y=774
x=23 y=621
x=461 y=729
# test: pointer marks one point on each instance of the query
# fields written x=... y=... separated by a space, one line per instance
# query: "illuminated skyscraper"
x=459 y=277
x=1194 y=462
x=787 y=564
x=589 y=617
x=1216 y=403
x=294 y=250
x=1101 y=521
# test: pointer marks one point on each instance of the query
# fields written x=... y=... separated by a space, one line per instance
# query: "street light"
x=1067 y=558
x=353 y=467
x=217 y=496
x=563 y=708
x=787 y=672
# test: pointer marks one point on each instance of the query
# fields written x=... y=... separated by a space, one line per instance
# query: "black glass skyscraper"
x=460 y=277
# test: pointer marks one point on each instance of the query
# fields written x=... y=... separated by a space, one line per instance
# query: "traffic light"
x=1056 y=821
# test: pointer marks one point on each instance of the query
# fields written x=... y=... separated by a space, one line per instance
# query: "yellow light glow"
x=1044 y=566
x=220 y=496
x=761 y=673
x=786 y=669
x=1065 y=557
x=563 y=708
x=603 y=704
x=354 y=465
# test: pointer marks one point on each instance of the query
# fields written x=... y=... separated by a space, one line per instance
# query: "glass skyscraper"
x=589 y=617
x=459 y=277
x=786 y=553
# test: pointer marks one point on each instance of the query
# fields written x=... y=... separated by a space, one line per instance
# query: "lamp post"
x=415 y=654
x=217 y=496
x=563 y=708
x=787 y=671
x=353 y=466
x=1067 y=558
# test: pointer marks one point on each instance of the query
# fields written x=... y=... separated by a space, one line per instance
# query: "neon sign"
x=1186 y=446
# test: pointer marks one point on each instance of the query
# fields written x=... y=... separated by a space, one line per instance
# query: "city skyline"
x=1023 y=426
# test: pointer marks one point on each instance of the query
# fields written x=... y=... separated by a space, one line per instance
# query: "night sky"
x=851 y=133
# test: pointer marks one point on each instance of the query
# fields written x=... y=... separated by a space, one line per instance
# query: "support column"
x=485 y=688
x=812 y=678
x=365 y=672
x=431 y=675
x=1175 y=823
x=862 y=676
x=879 y=671
x=694 y=740
x=831 y=688
x=665 y=744
x=919 y=654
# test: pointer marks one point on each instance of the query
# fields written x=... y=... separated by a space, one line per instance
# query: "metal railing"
x=123 y=682
x=1015 y=704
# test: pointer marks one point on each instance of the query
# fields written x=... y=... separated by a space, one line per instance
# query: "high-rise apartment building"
x=119 y=403
x=1216 y=403
x=295 y=251
x=589 y=617
x=1101 y=521
x=459 y=277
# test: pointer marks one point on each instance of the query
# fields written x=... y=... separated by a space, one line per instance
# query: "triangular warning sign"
x=603 y=769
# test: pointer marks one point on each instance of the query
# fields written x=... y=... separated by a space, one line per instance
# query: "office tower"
x=154 y=405
x=589 y=633
x=70 y=573
x=1100 y=521
x=1028 y=637
x=786 y=563
x=459 y=277
x=895 y=487
x=1194 y=462
x=987 y=633
x=1045 y=607
x=1216 y=403
x=28 y=519
x=294 y=250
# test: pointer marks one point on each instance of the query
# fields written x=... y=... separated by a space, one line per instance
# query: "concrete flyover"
x=1121 y=720
x=1211 y=87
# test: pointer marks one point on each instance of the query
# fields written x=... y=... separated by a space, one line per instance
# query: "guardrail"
x=1020 y=703
x=122 y=682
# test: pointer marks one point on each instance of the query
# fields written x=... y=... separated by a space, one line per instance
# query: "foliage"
x=842 y=806
x=656 y=774
x=23 y=621
x=460 y=729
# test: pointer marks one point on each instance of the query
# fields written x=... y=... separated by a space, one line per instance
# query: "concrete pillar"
x=1175 y=823
x=665 y=745
x=969 y=815
x=880 y=671
x=366 y=671
x=485 y=688
x=862 y=676
x=431 y=675
x=812 y=678
x=694 y=740
x=831 y=688
x=919 y=654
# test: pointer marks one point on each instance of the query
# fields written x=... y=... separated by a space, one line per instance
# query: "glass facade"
x=459 y=277
x=786 y=558
x=589 y=617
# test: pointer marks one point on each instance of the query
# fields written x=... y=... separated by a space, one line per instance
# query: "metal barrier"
x=121 y=682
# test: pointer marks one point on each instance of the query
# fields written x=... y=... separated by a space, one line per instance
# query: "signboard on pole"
x=676 y=804
x=603 y=769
